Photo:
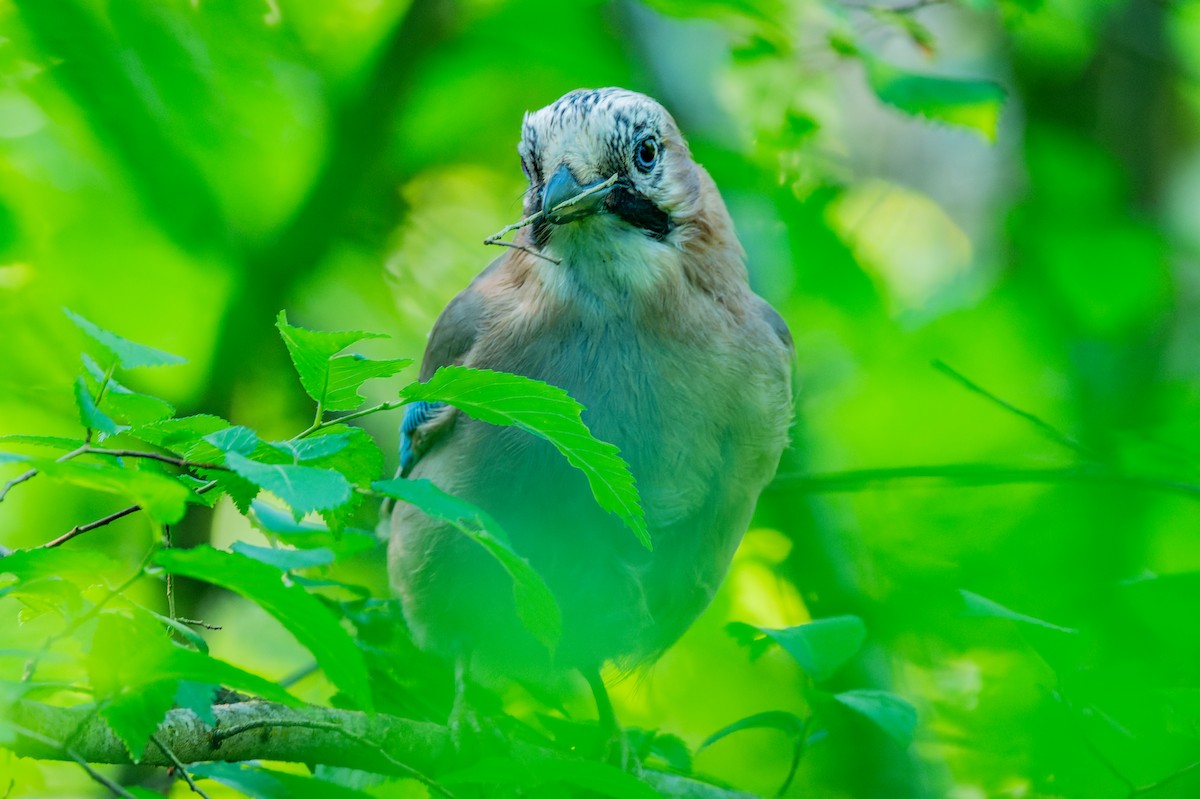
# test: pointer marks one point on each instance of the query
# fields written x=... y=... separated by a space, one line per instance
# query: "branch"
x=266 y=731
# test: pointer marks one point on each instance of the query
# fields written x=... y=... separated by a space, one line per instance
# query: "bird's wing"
x=776 y=323
x=451 y=339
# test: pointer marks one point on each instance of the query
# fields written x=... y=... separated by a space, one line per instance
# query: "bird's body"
x=649 y=322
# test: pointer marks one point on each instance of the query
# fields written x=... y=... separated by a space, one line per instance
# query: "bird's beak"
x=561 y=187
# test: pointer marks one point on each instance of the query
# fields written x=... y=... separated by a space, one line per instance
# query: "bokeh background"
x=994 y=305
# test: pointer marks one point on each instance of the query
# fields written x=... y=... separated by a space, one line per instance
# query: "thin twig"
x=1047 y=429
x=496 y=237
x=70 y=753
x=21 y=478
x=153 y=456
x=80 y=529
x=199 y=623
x=183 y=772
x=220 y=735
x=536 y=253
x=112 y=517
x=529 y=220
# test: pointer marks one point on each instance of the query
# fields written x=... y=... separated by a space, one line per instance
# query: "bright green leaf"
x=304 y=488
x=128 y=354
x=198 y=697
x=596 y=778
x=134 y=715
x=536 y=606
x=976 y=605
x=163 y=498
x=305 y=617
x=51 y=442
x=260 y=783
x=889 y=712
x=974 y=104
x=307 y=449
x=179 y=434
x=348 y=372
x=89 y=413
x=550 y=413
x=332 y=382
x=285 y=559
x=821 y=647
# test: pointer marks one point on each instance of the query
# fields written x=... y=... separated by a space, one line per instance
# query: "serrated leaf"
x=822 y=646
x=51 y=442
x=260 y=783
x=889 y=712
x=304 y=488
x=974 y=104
x=238 y=439
x=346 y=375
x=34 y=564
x=128 y=354
x=164 y=498
x=979 y=606
x=547 y=412
x=126 y=406
x=304 y=616
x=307 y=449
x=285 y=559
x=179 y=434
x=781 y=720
x=135 y=715
x=535 y=604
x=90 y=414
x=332 y=382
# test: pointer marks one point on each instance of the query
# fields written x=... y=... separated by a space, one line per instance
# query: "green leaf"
x=124 y=404
x=974 y=104
x=976 y=605
x=285 y=559
x=239 y=439
x=303 y=615
x=134 y=715
x=536 y=606
x=333 y=382
x=889 y=712
x=822 y=646
x=163 y=498
x=89 y=413
x=128 y=354
x=789 y=723
x=35 y=564
x=260 y=783
x=51 y=442
x=179 y=434
x=594 y=777
x=198 y=697
x=304 y=488
x=307 y=449
x=348 y=372
x=550 y=413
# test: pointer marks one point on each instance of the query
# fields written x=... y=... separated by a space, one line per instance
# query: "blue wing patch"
x=415 y=415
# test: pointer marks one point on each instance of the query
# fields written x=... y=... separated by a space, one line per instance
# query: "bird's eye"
x=646 y=154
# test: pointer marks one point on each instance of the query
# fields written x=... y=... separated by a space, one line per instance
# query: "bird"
x=635 y=299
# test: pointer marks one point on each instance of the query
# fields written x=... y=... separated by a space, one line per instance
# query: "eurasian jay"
x=634 y=300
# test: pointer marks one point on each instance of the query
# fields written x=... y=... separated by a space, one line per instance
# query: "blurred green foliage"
x=1006 y=187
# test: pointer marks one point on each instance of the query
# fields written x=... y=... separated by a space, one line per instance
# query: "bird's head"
x=648 y=197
